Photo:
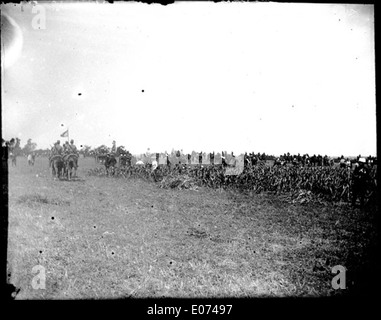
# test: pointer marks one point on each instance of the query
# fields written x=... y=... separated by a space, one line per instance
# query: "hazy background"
x=261 y=77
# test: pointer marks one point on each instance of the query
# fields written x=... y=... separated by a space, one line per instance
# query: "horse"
x=57 y=164
x=70 y=161
x=31 y=159
x=316 y=161
x=110 y=163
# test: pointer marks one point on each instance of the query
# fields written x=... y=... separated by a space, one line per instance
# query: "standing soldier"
x=254 y=160
x=325 y=161
x=224 y=164
x=211 y=156
x=342 y=162
x=360 y=181
x=113 y=148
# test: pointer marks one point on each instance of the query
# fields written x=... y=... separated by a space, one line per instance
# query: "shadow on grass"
x=41 y=199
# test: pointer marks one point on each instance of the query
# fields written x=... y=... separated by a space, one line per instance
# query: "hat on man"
x=362 y=160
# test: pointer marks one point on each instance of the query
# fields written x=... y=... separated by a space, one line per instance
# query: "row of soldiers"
x=67 y=148
x=304 y=160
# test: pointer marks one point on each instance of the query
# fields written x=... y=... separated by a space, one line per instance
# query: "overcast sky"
x=261 y=77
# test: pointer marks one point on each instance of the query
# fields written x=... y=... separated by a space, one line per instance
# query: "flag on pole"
x=65 y=134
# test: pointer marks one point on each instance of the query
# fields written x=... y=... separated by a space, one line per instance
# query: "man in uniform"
x=342 y=162
x=211 y=157
x=56 y=150
x=360 y=181
x=65 y=147
x=72 y=147
x=223 y=159
x=113 y=148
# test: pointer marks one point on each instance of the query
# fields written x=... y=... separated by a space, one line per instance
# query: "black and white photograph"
x=189 y=150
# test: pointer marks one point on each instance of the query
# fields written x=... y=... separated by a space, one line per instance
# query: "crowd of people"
x=250 y=159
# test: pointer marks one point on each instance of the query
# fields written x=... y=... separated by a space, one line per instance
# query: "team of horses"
x=61 y=165
x=304 y=160
x=110 y=161
x=64 y=165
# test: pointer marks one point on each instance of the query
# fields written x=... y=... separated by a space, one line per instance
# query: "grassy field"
x=103 y=237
